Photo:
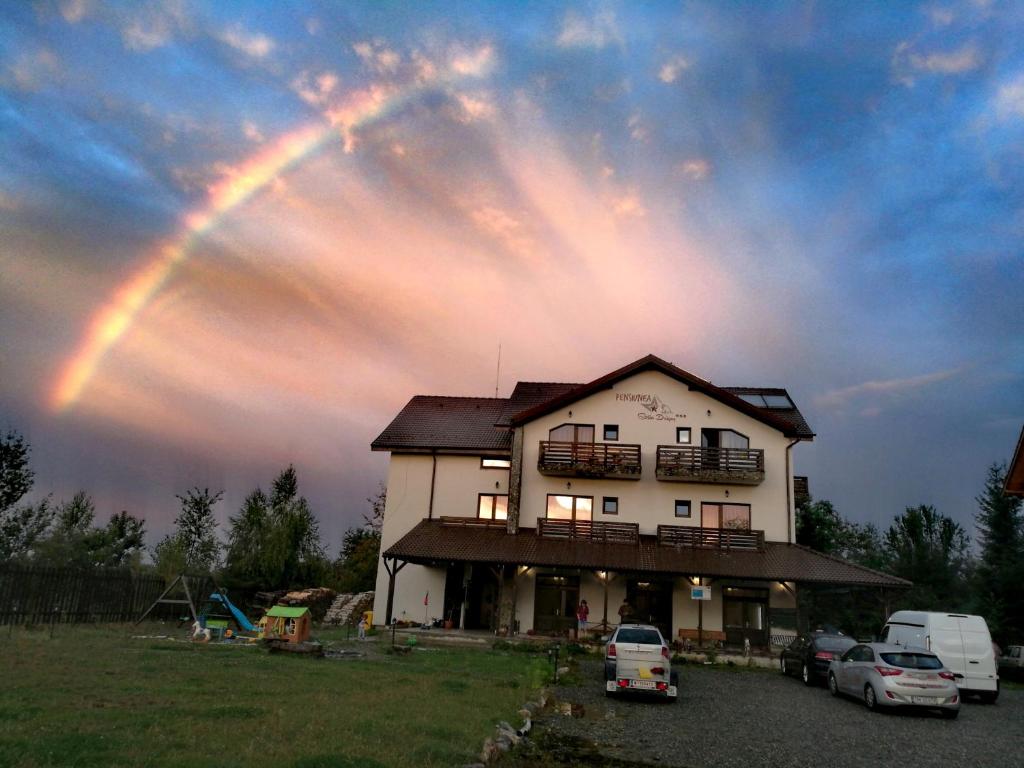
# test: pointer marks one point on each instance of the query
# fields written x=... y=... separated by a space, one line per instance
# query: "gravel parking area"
x=744 y=718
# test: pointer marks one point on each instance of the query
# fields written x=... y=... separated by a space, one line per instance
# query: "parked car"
x=884 y=675
x=1011 y=664
x=810 y=654
x=961 y=641
x=637 y=660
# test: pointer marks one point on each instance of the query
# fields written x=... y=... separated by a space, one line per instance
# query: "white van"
x=962 y=642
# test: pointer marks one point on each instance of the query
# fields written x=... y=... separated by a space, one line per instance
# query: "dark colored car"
x=810 y=654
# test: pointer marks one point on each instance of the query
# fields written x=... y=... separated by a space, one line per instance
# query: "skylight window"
x=778 y=401
x=753 y=400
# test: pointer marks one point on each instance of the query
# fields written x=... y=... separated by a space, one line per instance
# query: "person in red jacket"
x=582 y=613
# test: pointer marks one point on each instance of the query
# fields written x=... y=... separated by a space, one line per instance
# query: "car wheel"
x=783 y=663
x=806 y=675
x=950 y=714
x=673 y=679
x=870 y=700
x=609 y=672
x=833 y=684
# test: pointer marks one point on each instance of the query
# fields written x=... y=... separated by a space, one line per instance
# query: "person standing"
x=625 y=612
x=362 y=627
x=582 y=614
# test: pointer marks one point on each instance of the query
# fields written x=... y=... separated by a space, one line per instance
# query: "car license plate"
x=929 y=700
x=645 y=684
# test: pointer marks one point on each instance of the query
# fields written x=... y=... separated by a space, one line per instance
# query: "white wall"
x=650 y=501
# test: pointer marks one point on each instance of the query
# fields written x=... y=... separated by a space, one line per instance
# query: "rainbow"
x=122 y=309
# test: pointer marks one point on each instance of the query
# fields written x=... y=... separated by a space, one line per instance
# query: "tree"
x=997 y=583
x=20 y=526
x=818 y=526
x=122 y=541
x=355 y=570
x=193 y=547
x=930 y=550
x=274 y=542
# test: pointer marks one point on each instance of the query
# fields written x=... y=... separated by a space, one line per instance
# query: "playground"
x=95 y=695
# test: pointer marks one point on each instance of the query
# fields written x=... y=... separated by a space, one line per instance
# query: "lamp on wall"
x=727 y=493
x=569 y=484
x=570 y=414
x=497 y=484
x=709 y=413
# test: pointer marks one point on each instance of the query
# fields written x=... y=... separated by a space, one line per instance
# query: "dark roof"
x=434 y=423
x=1014 y=485
x=529 y=394
x=792 y=416
x=432 y=541
x=446 y=423
x=789 y=422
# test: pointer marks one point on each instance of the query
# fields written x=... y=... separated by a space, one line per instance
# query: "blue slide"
x=243 y=622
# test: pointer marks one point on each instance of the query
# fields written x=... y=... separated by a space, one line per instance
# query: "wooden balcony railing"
x=710 y=538
x=473 y=522
x=585 y=530
x=694 y=464
x=603 y=460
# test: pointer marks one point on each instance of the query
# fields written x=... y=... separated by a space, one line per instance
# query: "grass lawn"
x=92 y=696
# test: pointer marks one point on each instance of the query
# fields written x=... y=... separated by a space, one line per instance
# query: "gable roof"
x=429 y=422
x=791 y=424
x=530 y=394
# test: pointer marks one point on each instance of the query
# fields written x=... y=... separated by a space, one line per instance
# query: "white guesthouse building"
x=503 y=513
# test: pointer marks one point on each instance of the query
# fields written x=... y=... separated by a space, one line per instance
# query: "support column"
x=392 y=570
x=506 y=600
x=515 y=480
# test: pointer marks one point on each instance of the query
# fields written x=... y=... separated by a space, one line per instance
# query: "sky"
x=235 y=236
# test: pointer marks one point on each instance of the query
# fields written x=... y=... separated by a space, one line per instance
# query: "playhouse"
x=289 y=623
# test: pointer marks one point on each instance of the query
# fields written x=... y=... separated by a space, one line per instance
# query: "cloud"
x=629 y=206
x=637 y=130
x=597 y=32
x=153 y=26
x=33 y=71
x=252 y=44
x=378 y=57
x=73 y=11
x=839 y=398
x=908 y=63
x=252 y=132
x=939 y=16
x=315 y=90
x=475 y=107
x=507 y=229
x=1009 y=100
x=696 y=168
x=472 y=62
x=672 y=68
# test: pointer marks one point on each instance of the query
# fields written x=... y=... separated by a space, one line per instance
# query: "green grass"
x=92 y=696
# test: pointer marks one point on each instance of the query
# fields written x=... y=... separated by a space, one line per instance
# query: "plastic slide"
x=243 y=622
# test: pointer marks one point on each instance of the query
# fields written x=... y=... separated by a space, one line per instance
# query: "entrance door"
x=651 y=602
x=554 y=604
x=745 y=615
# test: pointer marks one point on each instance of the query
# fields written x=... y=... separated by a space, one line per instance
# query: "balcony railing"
x=694 y=464
x=473 y=522
x=710 y=538
x=602 y=460
x=585 y=530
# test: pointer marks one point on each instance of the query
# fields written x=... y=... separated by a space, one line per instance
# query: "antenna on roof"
x=497 y=376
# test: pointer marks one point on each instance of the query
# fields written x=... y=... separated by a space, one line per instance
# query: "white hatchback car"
x=637 y=660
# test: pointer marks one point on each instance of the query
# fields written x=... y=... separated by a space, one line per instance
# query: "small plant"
x=575 y=649
x=711 y=655
x=501 y=645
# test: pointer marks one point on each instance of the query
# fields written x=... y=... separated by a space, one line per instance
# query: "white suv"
x=637 y=660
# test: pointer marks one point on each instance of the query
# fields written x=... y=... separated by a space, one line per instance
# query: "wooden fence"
x=43 y=595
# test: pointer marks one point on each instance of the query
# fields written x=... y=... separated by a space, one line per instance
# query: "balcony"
x=694 y=464
x=711 y=538
x=585 y=530
x=598 y=460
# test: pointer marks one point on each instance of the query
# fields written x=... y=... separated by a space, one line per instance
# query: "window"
x=723 y=438
x=776 y=401
x=682 y=507
x=683 y=435
x=495 y=463
x=611 y=431
x=733 y=516
x=572 y=433
x=610 y=506
x=493 y=506
x=570 y=507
